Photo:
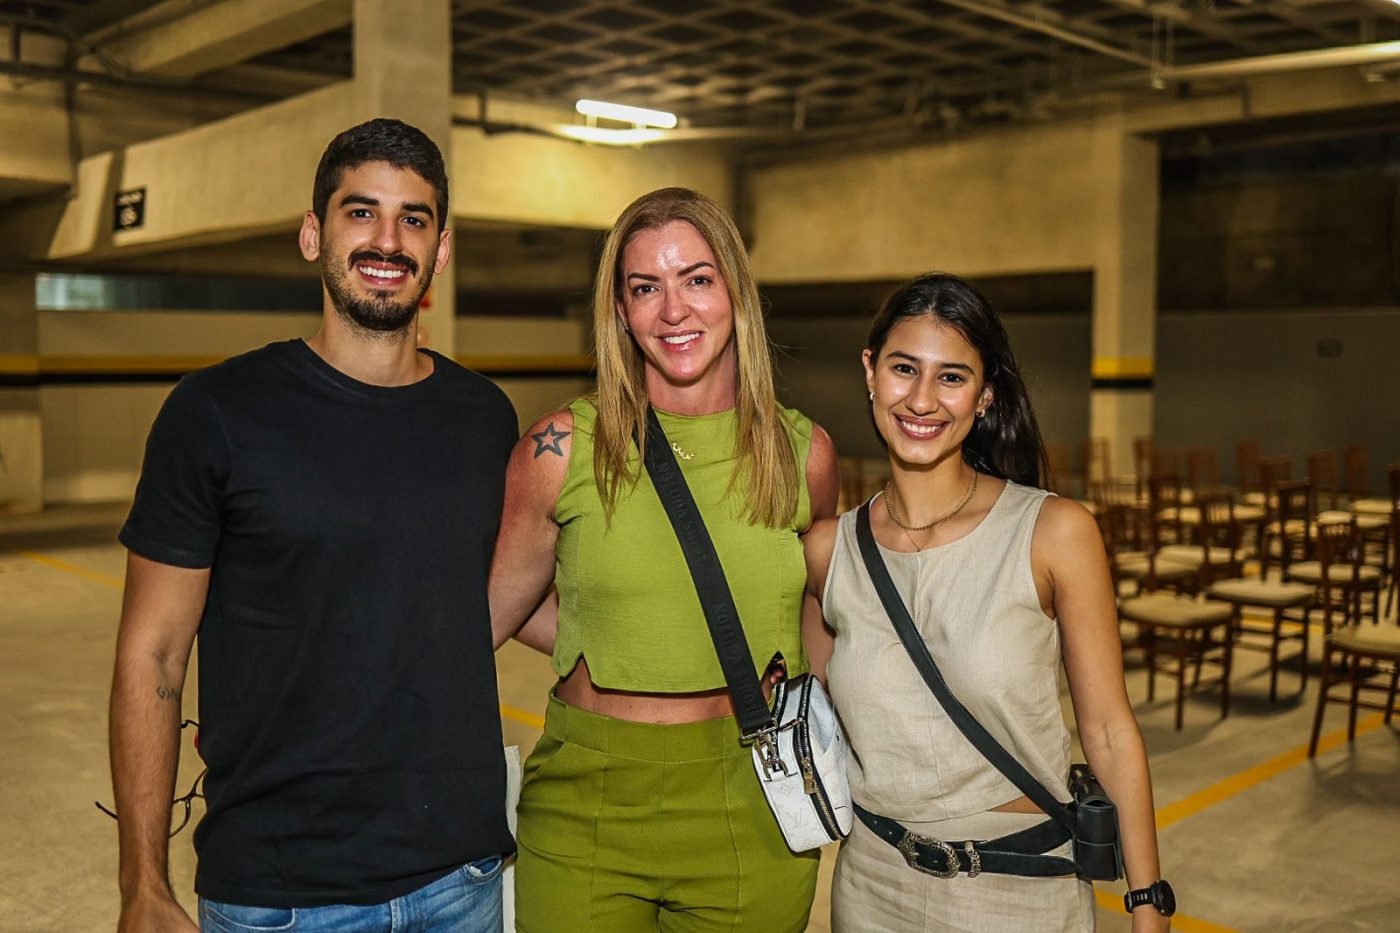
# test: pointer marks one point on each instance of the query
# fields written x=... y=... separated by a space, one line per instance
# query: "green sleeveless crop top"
x=626 y=598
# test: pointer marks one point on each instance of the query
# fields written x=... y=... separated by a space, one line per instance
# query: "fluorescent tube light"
x=640 y=116
x=596 y=134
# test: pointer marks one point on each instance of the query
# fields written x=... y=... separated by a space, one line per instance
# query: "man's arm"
x=161 y=610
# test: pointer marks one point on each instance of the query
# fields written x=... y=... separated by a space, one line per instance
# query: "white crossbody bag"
x=799 y=747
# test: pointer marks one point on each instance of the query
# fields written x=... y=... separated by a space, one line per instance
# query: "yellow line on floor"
x=115 y=583
x=1238 y=783
x=1109 y=901
x=522 y=716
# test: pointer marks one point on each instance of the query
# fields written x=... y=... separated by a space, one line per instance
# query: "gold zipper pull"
x=809 y=779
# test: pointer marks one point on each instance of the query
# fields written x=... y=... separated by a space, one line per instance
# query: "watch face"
x=1164 y=898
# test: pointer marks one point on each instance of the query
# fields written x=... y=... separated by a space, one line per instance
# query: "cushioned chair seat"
x=1294 y=527
x=1186 y=515
x=1194 y=555
x=1271 y=593
x=1134 y=564
x=1249 y=513
x=1177 y=611
x=1254 y=498
x=1310 y=571
x=1363 y=521
x=1373 y=641
x=1379 y=507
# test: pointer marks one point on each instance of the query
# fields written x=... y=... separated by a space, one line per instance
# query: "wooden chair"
x=1118 y=521
x=1355 y=472
x=1276 y=596
x=1216 y=552
x=1344 y=581
x=1162 y=460
x=1203 y=476
x=1142 y=462
x=1250 y=483
x=1098 y=462
x=1272 y=471
x=1324 y=469
x=1202 y=469
x=1369 y=654
x=1289 y=536
x=1374 y=516
x=1177 y=632
x=1061 y=478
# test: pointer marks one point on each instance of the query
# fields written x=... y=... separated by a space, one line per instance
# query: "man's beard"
x=379 y=315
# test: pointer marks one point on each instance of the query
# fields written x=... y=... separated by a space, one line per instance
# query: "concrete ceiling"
x=822 y=64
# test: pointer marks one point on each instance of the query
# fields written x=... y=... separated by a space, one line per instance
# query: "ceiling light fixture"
x=637 y=116
x=597 y=134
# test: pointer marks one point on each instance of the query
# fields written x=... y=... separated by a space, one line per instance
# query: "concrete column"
x=1125 y=292
x=21 y=432
x=403 y=69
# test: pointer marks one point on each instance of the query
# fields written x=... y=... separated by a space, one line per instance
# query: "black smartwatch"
x=1160 y=895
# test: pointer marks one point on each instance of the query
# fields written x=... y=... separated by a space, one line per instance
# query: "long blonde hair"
x=766 y=466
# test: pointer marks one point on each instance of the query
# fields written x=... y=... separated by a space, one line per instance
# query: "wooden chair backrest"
x=1247 y=457
x=1162 y=461
x=1274 y=470
x=1354 y=465
x=1294 y=503
x=1219 y=529
x=1323 y=470
x=1097 y=463
x=1202 y=469
x=1061 y=478
x=1339 y=544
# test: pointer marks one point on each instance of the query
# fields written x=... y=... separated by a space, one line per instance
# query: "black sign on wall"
x=129 y=210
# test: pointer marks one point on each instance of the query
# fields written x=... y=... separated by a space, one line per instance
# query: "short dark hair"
x=380 y=140
x=1005 y=442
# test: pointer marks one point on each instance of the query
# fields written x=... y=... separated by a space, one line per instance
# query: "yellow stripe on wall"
x=125 y=364
x=16 y=364
x=1123 y=367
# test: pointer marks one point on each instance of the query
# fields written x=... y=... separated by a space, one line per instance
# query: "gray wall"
x=1223 y=378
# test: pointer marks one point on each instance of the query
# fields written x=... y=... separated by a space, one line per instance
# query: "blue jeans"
x=466 y=901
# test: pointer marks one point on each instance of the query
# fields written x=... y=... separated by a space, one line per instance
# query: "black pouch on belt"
x=1098 y=848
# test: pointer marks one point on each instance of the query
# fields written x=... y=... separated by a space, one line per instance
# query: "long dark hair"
x=1005 y=442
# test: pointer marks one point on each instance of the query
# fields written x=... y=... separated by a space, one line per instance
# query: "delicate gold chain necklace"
x=937 y=523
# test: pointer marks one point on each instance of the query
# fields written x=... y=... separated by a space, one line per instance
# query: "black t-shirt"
x=347 y=689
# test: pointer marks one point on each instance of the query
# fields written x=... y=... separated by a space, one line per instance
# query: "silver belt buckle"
x=907 y=848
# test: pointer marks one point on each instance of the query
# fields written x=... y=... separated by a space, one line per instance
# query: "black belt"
x=1020 y=853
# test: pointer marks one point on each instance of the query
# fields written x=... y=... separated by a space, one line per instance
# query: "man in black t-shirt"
x=321 y=513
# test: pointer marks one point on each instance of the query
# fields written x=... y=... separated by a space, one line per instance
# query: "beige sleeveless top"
x=975 y=603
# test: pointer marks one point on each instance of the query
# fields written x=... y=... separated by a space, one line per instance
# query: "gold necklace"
x=937 y=523
x=681 y=453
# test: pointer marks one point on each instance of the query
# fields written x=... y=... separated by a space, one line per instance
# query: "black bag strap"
x=721 y=615
x=914 y=643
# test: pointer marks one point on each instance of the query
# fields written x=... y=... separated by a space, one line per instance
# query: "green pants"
x=627 y=826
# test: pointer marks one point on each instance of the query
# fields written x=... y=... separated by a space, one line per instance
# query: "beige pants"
x=875 y=891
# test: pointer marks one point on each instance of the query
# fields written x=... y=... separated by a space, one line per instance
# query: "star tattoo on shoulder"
x=549 y=440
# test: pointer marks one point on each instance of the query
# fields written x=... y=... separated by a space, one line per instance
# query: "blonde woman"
x=640 y=809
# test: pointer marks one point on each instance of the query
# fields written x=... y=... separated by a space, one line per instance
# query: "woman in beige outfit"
x=1005 y=582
